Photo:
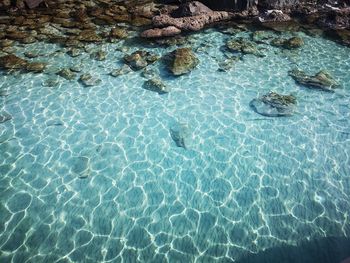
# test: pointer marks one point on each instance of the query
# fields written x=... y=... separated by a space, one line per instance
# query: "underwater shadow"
x=323 y=250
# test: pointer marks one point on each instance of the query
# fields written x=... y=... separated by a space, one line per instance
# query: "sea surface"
x=92 y=174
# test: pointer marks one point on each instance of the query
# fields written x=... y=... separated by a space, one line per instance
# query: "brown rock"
x=192 y=23
x=12 y=62
x=161 y=32
x=35 y=67
x=17 y=35
x=183 y=60
x=89 y=36
x=118 y=33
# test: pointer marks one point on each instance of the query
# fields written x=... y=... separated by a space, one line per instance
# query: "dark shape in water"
x=157 y=85
x=88 y=80
x=290 y=43
x=67 y=74
x=4 y=116
x=322 y=80
x=322 y=250
x=244 y=46
x=274 y=105
x=180 y=133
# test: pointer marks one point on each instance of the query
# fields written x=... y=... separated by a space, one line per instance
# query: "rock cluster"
x=12 y=62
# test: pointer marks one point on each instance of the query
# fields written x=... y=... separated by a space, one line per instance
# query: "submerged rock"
x=322 y=80
x=262 y=36
x=52 y=82
x=244 y=46
x=125 y=69
x=118 y=33
x=36 y=67
x=227 y=64
x=182 y=61
x=80 y=166
x=74 y=52
x=12 y=62
x=157 y=85
x=88 y=80
x=140 y=59
x=290 y=43
x=99 y=55
x=4 y=116
x=180 y=133
x=274 y=105
x=67 y=74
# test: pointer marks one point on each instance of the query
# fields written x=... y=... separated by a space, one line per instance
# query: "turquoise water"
x=91 y=174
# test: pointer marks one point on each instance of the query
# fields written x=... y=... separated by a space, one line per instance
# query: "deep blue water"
x=91 y=174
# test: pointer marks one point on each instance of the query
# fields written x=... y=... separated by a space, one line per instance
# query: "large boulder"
x=321 y=80
x=273 y=104
x=182 y=61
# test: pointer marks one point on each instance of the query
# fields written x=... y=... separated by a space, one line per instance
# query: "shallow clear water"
x=244 y=184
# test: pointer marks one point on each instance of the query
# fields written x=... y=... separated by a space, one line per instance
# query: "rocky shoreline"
x=73 y=23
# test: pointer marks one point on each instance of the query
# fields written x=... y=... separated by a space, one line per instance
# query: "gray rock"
x=140 y=59
x=180 y=134
x=274 y=105
x=88 y=80
x=244 y=46
x=322 y=80
x=125 y=69
x=74 y=52
x=67 y=74
x=156 y=85
x=99 y=55
x=4 y=116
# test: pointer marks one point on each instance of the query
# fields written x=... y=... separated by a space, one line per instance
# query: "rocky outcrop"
x=192 y=16
x=191 y=23
x=321 y=80
x=273 y=104
x=182 y=61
